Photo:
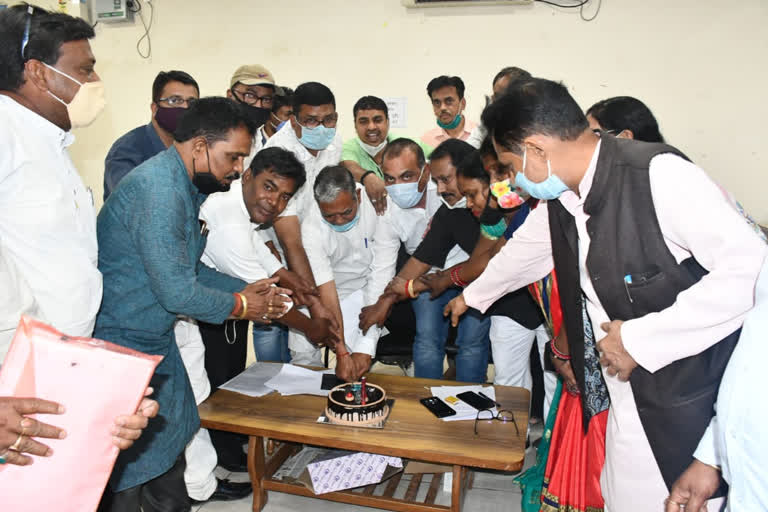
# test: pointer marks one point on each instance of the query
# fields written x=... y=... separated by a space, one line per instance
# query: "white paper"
x=251 y=381
x=464 y=411
x=398 y=111
x=294 y=380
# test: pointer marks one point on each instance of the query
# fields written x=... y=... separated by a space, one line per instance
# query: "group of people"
x=581 y=232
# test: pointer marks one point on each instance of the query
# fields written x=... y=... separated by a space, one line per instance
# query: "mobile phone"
x=476 y=401
x=437 y=407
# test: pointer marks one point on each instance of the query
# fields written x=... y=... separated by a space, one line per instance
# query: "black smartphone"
x=476 y=401
x=330 y=381
x=437 y=407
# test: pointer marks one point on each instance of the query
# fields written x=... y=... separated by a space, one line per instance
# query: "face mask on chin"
x=87 y=103
x=345 y=227
x=461 y=203
x=372 y=150
x=450 y=126
x=206 y=182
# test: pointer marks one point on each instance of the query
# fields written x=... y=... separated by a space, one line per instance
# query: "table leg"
x=256 y=470
x=457 y=490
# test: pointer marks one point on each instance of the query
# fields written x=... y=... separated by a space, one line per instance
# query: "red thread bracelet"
x=557 y=353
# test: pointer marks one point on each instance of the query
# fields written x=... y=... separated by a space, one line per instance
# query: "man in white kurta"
x=696 y=220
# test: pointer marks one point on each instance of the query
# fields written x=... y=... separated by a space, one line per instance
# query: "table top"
x=411 y=430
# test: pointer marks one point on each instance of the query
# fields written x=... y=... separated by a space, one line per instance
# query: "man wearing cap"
x=171 y=93
x=253 y=86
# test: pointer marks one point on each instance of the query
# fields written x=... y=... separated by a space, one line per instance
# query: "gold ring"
x=15 y=446
x=675 y=503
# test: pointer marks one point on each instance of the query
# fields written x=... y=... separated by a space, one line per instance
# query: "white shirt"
x=16 y=299
x=257 y=145
x=477 y=136
x=47 y=219
x=362 y=258
x=411 y=225
x=235 y=246
x=695 y=218
x=303 y=201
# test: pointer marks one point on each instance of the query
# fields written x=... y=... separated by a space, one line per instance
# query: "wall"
x=699 y=64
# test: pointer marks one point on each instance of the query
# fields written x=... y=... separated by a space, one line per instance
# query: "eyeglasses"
x=251 y=98
x=177 y=101
x=27 y=24
x=598 y=131
x=503 y=416
x=328 y=121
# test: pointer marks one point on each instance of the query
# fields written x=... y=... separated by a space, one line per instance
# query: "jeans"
x=431 y=334
x=270 y=343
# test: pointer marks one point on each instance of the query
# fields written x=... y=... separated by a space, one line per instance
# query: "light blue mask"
x=345 y=227
x=550 y=188
x=406 y=195
x=317 y=138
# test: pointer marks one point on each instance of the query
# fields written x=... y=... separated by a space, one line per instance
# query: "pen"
x=488 y=398
x=366 y=243
x=627 y=282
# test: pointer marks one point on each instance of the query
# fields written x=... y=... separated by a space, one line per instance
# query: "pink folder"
x=96 y=381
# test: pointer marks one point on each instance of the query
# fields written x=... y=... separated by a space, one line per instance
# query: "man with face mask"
x=313 y=140
x=172 y=92
x=430 y=206
x=353 y=253
x=650 y=256
x=447 y=96
x=151 y=243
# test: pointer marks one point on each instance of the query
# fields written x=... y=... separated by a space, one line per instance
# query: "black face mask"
x=206 y=182
x=490 y=216
x=257 y=115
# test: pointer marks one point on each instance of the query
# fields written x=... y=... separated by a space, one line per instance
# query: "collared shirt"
x=478 y=135
x=411 y=225
x=303 y=201
x=15 y=300
x=235 y=245
x=151 y=243
x=129 y=151
x=737 y=438
x=353 y=151
x=259 y=140
x=362 y=258
x=436 y=135
x=47 y=219
x=695 y=219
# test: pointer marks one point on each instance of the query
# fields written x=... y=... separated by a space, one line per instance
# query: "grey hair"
x=331 y=181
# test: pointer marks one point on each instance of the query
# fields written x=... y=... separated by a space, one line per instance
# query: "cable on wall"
x=579 y=4
x=138 y=8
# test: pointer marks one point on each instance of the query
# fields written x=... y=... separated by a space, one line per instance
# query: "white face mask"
x=87 y=104
x=372 y=150
x=461 y=203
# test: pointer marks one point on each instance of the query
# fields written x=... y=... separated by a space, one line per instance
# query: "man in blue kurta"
x=150 y=246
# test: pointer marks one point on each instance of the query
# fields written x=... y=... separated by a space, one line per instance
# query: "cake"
x=345 y=404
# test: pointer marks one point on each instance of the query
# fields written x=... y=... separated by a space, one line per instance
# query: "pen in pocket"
x=627 y=282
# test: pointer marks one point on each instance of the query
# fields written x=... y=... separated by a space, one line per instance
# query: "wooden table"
x=411 y=432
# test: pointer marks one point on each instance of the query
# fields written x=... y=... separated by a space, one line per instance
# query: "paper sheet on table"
x=464 y=411
x=340 y=470
x=294 y=380
x=252 y=381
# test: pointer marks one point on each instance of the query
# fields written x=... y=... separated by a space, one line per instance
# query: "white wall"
x=699 y=64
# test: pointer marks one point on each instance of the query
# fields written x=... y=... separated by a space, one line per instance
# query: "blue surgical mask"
x=317 y=138
x=345 y=227
x=551 y=188
x=406 y=195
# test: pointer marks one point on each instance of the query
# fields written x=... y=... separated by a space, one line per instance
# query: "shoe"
x=240 y=466
x=228 y=491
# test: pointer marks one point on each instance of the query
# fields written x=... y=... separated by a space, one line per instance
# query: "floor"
x=491 y=491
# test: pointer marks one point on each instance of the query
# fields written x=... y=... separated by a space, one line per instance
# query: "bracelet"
x=455 y=279
x=558 y=355
x=411 y=293
x=245 y=306
x=406 y=289
x=238 y=305
x=362 y=178
x=345 y=353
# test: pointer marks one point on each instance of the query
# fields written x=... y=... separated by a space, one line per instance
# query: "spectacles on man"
x=251 y=98
x=177 y=101
x=328 y=121
x=503 y=416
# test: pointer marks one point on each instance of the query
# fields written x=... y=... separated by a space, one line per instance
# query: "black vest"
x=676 y=402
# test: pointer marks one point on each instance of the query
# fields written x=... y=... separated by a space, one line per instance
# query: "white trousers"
x=302 y=350
x=200 y=454
x=511 y=347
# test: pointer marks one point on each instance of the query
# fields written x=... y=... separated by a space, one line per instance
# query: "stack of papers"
x=260 y=379
x=464 y=411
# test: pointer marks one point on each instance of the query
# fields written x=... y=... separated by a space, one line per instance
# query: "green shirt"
x=354 y=152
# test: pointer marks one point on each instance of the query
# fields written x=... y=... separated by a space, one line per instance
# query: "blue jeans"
x=431 y=333
x=270 y=343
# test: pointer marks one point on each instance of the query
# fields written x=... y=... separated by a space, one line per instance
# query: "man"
x=362 y=155
x=499 y=85
x=664 y=296
x=151 y=242
x=447 y=96
x=311 y=136
x=422 y=203
x=172 y=92
x=234 y=247
x=48 y=248
x=353 y=253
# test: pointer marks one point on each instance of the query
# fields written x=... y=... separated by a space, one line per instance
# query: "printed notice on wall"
x=398 y=111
